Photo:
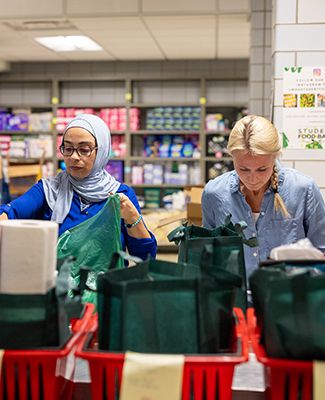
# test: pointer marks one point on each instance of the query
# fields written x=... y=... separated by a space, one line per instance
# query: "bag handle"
x=239 y=228
x=124 y=256
x=177 y=234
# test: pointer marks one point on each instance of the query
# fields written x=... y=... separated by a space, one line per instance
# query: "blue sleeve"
x=31 y=205
x=137 y=247
x=315 y=217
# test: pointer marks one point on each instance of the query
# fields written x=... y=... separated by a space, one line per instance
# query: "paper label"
x=319 y=381
x=2 y=352
x=152 y=377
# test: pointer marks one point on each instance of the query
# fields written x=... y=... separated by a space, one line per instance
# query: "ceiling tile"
x=108 y=24
x=31 y=8
x=136 y=43
x=195 y=22
x=241 y=6
x=88 y=55
x=233 y=37
x=182 y=6
x=101 y=7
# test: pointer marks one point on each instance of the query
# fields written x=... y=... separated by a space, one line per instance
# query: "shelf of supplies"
x=220 y=133
x=215 y=159
x=87 y=105
x=26 y=133
x=117 y=159
x=154 y=132
x=221 y=104
x=162 y=105
x=118 y=132
x=163 y=159
x=162 y=186
x=21 y=160
x=27 y=106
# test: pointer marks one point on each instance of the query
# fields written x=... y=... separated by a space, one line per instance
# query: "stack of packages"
x=289 y=298
x=30 y=301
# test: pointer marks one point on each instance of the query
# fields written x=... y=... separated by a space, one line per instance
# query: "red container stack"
x=285 y=379
x=204 y=377
x=31 y=374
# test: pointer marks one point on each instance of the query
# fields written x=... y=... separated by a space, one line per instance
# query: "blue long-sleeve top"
x=304 y=202
x=33 y=205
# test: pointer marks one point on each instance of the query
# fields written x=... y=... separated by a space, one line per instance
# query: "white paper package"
x=27 y=256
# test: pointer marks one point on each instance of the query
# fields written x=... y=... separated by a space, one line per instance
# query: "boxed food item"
x=194 y=209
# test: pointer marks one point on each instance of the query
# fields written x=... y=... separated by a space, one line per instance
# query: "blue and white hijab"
x=97 y=186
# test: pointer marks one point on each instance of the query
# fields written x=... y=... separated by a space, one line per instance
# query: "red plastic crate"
x=285 y=379
x=206 y=377
x=30 y=374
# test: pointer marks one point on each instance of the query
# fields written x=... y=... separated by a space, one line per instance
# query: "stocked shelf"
x=26 y=133
x=153 y=132
x=155 y=123
x=163 y=185
x=162 y=159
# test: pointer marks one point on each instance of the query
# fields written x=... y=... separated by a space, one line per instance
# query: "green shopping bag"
x=28 y=320
x=163 y=307
x=226 y=241
x=92 y=244
x=289 y=299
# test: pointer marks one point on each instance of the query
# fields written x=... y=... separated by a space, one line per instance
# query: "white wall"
x=260 y=62
x=298 y=40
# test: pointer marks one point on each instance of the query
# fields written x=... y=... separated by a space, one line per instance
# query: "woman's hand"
x=130 y=214
x=128 y=211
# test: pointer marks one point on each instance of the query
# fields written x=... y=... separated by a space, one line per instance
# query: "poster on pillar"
x=304 y=108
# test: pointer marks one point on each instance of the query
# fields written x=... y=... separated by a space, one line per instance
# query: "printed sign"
x=304 y=108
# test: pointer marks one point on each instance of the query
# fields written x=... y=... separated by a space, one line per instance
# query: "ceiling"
x=127 y=29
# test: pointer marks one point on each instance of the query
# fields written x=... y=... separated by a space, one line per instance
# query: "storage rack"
x=143 y=93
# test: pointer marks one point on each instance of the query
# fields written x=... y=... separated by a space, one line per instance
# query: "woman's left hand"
x=128 y=210
x=131 y=215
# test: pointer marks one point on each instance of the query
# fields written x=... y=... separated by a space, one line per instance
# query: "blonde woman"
x=280 y=205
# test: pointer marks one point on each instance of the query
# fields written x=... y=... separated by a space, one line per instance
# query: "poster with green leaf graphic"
x=303 y=108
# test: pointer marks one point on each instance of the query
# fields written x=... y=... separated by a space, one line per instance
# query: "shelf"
x=225 y=105
x=158 y=159
x=118 y=132
x=26 y=133
x=220 y=133
x=87 y=105
x=27 y=106
x=161 y=105
x=148 y=132
x=27 y=160
x=215 y=159
x=163 y=185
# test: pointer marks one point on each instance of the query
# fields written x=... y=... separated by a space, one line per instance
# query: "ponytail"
x=278 y=201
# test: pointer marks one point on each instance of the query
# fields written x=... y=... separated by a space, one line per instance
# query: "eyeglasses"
x=82 y=151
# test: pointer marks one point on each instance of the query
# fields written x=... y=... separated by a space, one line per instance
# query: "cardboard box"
x=194 y=209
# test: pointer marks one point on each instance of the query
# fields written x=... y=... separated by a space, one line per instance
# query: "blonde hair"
x=258 y=136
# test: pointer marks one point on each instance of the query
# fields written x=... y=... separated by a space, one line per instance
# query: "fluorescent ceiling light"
x=69 y=43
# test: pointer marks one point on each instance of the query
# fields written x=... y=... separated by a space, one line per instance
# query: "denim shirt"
x=301 y=196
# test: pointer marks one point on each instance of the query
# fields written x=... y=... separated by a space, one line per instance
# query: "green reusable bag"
x=288 y=298
x=227 y=249
x=294 y=323
x=163 y=307
x=92 y=244
x=28 y=320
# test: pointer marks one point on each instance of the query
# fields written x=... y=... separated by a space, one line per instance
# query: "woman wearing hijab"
x=80 y=192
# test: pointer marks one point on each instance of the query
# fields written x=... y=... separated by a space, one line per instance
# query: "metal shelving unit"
x=143 y=93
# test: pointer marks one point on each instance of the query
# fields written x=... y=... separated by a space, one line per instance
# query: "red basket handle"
x=83 y=324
